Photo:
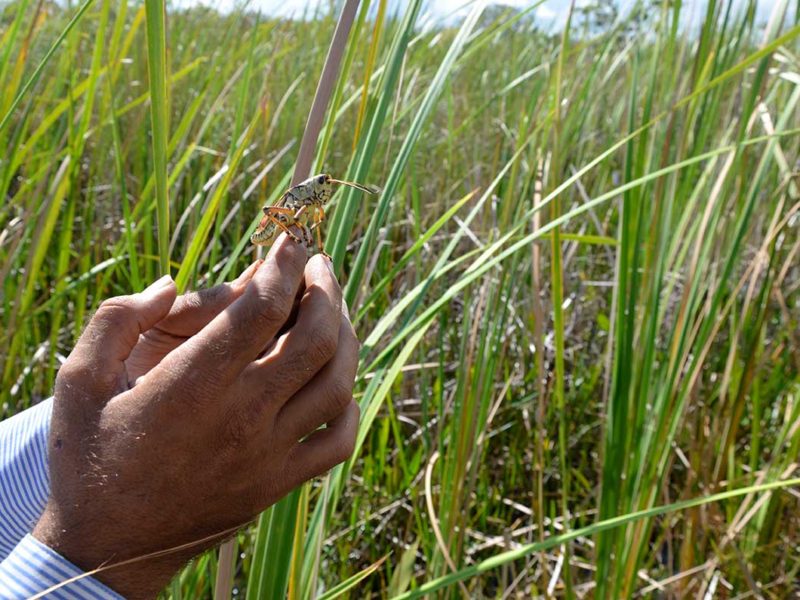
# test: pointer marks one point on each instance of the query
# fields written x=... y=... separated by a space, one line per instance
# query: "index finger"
x=240 y=333
x=194 y=310
x=310 y=342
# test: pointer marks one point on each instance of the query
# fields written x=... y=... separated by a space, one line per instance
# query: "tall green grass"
x=577 y=294
x=155 y=11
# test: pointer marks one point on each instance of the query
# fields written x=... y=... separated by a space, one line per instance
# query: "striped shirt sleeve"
x=32 y=568
x=29 y=567
x=24 y=473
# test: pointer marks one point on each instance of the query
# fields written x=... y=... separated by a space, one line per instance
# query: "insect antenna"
x=369 y=189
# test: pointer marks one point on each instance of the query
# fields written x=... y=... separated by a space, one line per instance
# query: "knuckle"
x=71 y=374
x=81 y=377
x=353 y=344
x=218 y=294
x=345 y=448
x=340 y=394
x=193 y=379
x=271 y=316
x=322 y=344
x=322 y=295
x=116 y=305
x=71 y=369
x=115 y=312
x=236 y=433
x=351 y=335
x=193 y=301
x=273 y=305
x=295 y=378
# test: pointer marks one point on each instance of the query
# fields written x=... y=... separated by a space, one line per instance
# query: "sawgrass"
x=577 y=295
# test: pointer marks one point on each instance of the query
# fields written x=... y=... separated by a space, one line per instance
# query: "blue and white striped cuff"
x=33 y=568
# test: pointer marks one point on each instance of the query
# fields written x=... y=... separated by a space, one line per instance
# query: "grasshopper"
x=293 y=207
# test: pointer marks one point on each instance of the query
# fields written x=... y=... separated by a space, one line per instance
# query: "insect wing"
x=282 y=200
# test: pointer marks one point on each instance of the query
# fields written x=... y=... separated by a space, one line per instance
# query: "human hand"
x=208 y=437
x=189 y=314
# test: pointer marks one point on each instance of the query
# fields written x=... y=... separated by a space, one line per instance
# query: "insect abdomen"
x=264 y=236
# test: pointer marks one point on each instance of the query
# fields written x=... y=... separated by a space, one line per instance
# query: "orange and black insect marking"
x=301 y=207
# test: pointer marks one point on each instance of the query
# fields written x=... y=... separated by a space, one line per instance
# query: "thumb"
x=97 y=363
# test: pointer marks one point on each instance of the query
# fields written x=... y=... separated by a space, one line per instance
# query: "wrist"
x=90 y=550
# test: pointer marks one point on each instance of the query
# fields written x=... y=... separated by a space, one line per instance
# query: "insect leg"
x=319 y=216
x=269 y=212
x=300 y=220
x=283 y=218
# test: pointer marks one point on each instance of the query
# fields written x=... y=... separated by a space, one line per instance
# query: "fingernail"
x=158 y=284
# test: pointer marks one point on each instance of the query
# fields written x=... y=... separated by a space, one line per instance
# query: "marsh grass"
x=577 y=295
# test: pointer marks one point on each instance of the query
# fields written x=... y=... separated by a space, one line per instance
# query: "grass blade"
x=157 y=68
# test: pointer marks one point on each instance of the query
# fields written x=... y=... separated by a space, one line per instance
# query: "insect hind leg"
x=284 y=218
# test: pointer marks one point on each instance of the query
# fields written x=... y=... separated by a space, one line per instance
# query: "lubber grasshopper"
x=300 y=204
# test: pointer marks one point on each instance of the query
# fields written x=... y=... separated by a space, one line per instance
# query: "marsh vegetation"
x=578 y=293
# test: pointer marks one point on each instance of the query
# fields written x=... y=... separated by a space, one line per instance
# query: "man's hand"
x=221 y=428
x=188 y=315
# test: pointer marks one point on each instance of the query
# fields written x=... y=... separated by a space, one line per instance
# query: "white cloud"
x=545 y=13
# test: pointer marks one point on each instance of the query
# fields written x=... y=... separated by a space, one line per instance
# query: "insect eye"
x=321 y=179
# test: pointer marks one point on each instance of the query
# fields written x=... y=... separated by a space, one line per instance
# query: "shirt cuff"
x=33 y=568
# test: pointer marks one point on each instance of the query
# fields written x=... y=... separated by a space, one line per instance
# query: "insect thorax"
x=307 y=195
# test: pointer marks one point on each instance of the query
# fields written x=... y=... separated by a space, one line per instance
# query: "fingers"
x=97 y=362
x=328 y=394
x=240 y=333
x=309 y=344
x=324 y=449
x=194 y=310
x=189 y=314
